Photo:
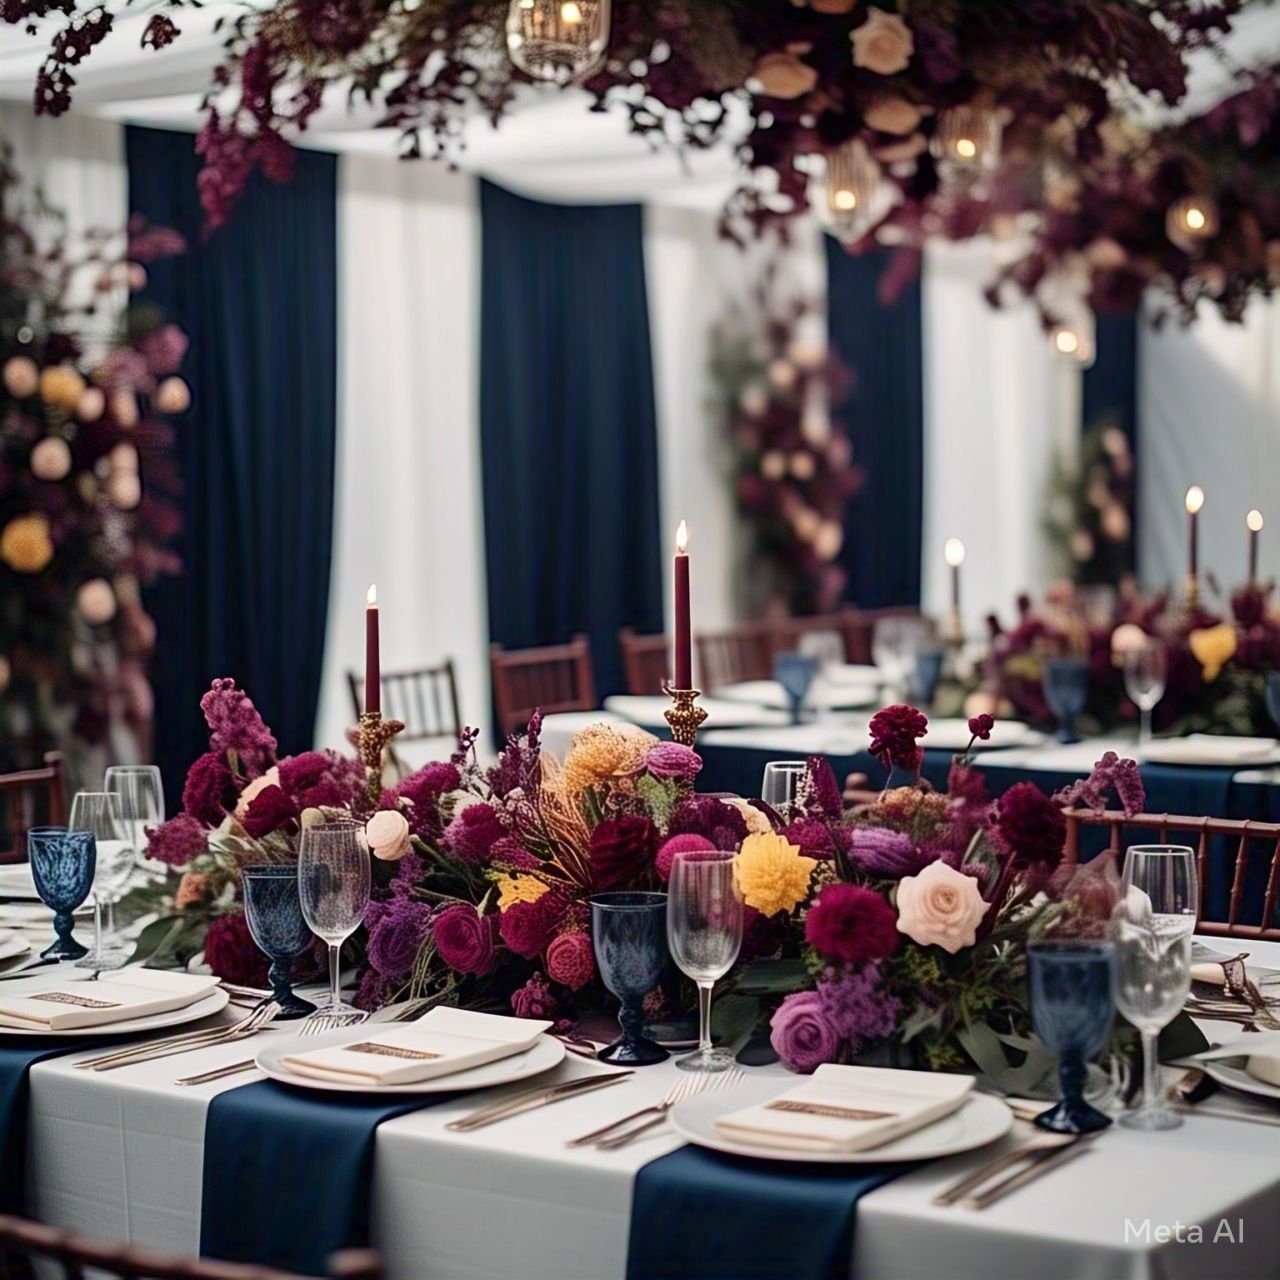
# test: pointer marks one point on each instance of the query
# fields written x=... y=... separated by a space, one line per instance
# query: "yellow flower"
x=513 y=889
x=1212 y=648
x=605 y=753
x=25 y=544
x=773 y=874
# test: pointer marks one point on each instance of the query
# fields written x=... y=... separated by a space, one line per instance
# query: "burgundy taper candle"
x=372 y=655
x=682 y=657
x=1253 y=522
x=1195 y=500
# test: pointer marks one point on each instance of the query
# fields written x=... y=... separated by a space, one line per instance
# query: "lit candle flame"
x=682 y=538
x=966 y=148
x=845 y=201
x=1066 y=342
x=570 y=13
x=1195 y=218
x=1254 y=521
x=372 y=598
x=954 y=552
x=1195 y=499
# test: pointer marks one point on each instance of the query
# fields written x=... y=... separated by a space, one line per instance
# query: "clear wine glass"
x=1145 y=673
x=1152 y=930
x=781 y=785
x=894 y=641
x=98 y=812
x=333 y=887
x=704 y=932
x=141 y=794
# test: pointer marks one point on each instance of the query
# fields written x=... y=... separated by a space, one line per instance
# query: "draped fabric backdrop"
x=567 y=428
x=1109 y=388
x=258 y=300
x=883 y=347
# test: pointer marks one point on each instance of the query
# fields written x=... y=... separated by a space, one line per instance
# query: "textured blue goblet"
x=1066 y=688
x=1071 y=1008
x=1271 y=692
x=926 y=671
x=273 y=912
x=629 y=934
x=62 y=865
x=795 y=672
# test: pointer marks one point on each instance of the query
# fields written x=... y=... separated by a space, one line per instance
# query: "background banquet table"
x=119 y=1155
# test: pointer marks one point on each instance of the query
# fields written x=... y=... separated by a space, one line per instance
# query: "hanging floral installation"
x=88 y=485
x=895 y=120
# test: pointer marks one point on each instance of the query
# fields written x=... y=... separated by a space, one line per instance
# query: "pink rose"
x=940 y=907
x=882 y=44
x=388 y=835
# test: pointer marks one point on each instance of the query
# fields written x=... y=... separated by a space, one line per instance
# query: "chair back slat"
x=1273 y=884
x=1237 y=879
x=27 y=799
x=552 y=677
x=425 y=700
x=741 y=653
x=645 y=661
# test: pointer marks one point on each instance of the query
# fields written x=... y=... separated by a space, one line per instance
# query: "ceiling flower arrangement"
x=897 y=119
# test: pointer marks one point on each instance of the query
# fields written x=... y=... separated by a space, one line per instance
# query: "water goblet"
x=333 y=889
x=273 y=912
x=781 y=785
x=926 y=672
x=1070 y=984
x=704 y=931
x=826 y=647
x=141 y=794
x=62 y=865
x=1066 y=687
x=795 y=672
x=98 y=812
x=1144 y=681
x=629 y=935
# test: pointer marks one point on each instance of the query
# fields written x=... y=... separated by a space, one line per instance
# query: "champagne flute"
x=98 y=812
x=704 y=930
x=333 y=888
x=141 y=795
x=1153 y=925
x=1144 y=682
x=781 y=785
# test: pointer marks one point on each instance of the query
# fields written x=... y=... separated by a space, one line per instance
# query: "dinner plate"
x=215 y=1001
x=12 y=945
x=546 y=1052
x=822 y=695
x=982 y=1119
x=16 y=882
x=1231 y=1072
x=1212 y=750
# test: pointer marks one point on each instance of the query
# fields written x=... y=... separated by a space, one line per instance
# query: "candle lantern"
x=856 y=196
x=561 y=41
x=966 y=142
x=1191 y=221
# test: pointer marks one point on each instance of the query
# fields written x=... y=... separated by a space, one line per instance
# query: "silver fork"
x=703 y=1084
x=183 y=1038
x=323 y=1020
x=242 y=1030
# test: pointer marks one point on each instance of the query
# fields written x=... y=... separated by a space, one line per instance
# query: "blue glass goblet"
x=1271 y=692
x=795 y=672
x=1066 y=688
x=273 y=912
x=926 y=672
x=1072 y=1005
x=629 y=934
x=62 y=865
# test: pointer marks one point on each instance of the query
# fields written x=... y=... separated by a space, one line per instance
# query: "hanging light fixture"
x=966 y=141
x=856 y=195
x=1191 y=221
x=561 y=41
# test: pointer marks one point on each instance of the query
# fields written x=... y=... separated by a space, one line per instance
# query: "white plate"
x=1209 y=749
x=954 y=735
x=16 y=882
x=213 y=1003
x=1236 y=1077
x=981 y=1120
x=12 y=945
x=822 y=695
x=547 y=1052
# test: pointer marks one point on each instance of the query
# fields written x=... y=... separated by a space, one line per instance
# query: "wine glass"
x=704 y=931
x=273 y=912
x=1070 y=984
x=825 y=647
x=1144 y=681
x=1152 y=928
x=98 y=812
x=894 y=641
x=795 y=672
x=926 y=673
x=628 y=934
x=1065 y=682
x=781 y=785
x=141 y=795
x=62 y=865
x=333 y=888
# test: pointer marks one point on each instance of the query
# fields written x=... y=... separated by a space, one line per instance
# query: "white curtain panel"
x=408 y=512
x=997 y=406
x=1209 y=414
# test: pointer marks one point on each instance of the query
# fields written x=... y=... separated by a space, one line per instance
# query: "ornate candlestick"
x=371 y=737
x=684 y=718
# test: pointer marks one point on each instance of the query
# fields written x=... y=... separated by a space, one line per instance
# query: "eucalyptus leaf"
x=733 y=1018
x=772 y=978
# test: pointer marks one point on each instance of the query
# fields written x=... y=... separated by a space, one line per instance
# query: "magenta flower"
x=535 y=1000
x=271 y=810
x=1110 y=773
x=1030 y=826
x=473 y=833
x=825 y=799
x=894 y=734
x=424 y=791
x=232 y=954
x=885 y=854
x=527 y=927
x=209 y=791
x=802 y=1034
x=397 y=930
x=235 y=725
x=622 y=850
x=710 y=818
x=672 y=761
x=465 y=939
x=177 y=841
x=570 y=960
x=857 y=1006
x=851 y=925
x=679 y=844
x=980 y=726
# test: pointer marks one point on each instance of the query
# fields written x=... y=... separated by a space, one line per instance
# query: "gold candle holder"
x=371 y=737
x=684 y=718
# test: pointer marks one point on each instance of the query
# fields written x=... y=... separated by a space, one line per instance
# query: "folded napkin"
x=132 y=993
x=440 y=1043
x=848 y=1109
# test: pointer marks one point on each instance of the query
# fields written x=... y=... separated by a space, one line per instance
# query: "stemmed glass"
x=1065 y=682
x=704 y=930
x=273 y=912
x=1144 y=682
x=1152 y=927
x=781 y=785
x=795 y=672
x=1070 y=984
x=62 y=865
x=894 y=641
x=629 y=936
x=141 y=795
x=333 y=889
x=98 y=812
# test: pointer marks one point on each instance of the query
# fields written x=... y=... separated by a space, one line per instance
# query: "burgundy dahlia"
x=270 y=810
x=527 y=927
x=851 y=925
x=1030 y=826
x=232 y=954
x=894 y=734
x=710 y=818
x=465 y=939
x=209 y=790
x=622 y=850
x=472 y=834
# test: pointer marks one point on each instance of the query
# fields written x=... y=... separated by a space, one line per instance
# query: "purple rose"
x=673 y=762
x=535 y=1000
x=801 y=1033
x=465 y=938
x=397 y=936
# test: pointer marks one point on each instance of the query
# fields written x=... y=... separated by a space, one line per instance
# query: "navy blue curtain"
x=567 y=426
x=881 y=344
x=1110 y=387
x=258 y=300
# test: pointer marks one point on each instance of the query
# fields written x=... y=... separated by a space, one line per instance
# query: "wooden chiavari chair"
x=555 y=678
x=27 y=799
x=789 y=632
x=425 y=701
x=743 y=652
x=860 y=626
x=644 y=661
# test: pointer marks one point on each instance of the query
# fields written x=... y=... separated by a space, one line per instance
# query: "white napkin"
x=133 y=993
x=848 y=1109
x=1211 y=749
x=440 y=1043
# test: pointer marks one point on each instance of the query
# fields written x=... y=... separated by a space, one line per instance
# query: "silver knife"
x=1044 y=1164
x=531 y=1099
